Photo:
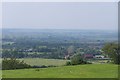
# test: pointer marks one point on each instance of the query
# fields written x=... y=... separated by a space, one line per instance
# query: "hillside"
x=80 y=71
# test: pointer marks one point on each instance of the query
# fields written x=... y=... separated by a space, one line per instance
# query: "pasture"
x=46 y=62
x=79 y=71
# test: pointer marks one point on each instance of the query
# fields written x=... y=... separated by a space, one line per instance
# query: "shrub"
x=43 y=66
x=76 y=60
x=52 y=66
x=68 y=63
x=35 y=66
x=37 y=69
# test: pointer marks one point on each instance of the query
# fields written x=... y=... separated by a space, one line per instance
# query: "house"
x=88 y=56
x=99 y=56
x=67 y=56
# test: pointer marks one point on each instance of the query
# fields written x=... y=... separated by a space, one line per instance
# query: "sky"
x=60 y=15
x=60 y=0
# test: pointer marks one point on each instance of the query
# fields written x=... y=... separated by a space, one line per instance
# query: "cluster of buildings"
x=95 y=56
x=91 y=56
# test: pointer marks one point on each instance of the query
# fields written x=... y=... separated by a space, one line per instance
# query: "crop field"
x=41 y=61
x=80 y=71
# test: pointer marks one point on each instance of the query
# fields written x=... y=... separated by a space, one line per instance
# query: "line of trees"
x=12 y=63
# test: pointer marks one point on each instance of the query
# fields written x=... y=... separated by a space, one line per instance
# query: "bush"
x=35 y=66
x=37 y=69
x=68 y=63
x=52 y=66
x=43 y=66
x=8 y=64
x=76 y=60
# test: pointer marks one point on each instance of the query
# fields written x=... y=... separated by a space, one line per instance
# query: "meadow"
x=46 y=62
x=79 y=71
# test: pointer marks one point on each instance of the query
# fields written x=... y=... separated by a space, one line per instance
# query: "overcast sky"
x=60 y=15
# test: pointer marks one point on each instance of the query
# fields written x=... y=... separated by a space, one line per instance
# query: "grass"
x=80 y=71
x=41 y=61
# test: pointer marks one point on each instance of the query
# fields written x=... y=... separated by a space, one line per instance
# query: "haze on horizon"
x=60 y=15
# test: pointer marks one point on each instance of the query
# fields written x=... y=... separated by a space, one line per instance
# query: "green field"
x=80 y=71
x=41 y=61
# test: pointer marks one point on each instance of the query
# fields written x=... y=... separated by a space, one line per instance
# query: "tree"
x=112 y=50
x=77 y=59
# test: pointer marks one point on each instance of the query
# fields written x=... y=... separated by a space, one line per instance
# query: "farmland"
x=80 y=71
x=46 y=62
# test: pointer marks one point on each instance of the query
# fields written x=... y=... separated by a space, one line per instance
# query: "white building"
x=99 y=56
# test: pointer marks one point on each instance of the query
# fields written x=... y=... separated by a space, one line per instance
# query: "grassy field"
x=41 y=61
x=55 y=62
x=80 y=71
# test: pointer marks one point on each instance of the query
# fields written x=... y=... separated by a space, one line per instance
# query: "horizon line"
x=60 y=0
x=62 y=29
